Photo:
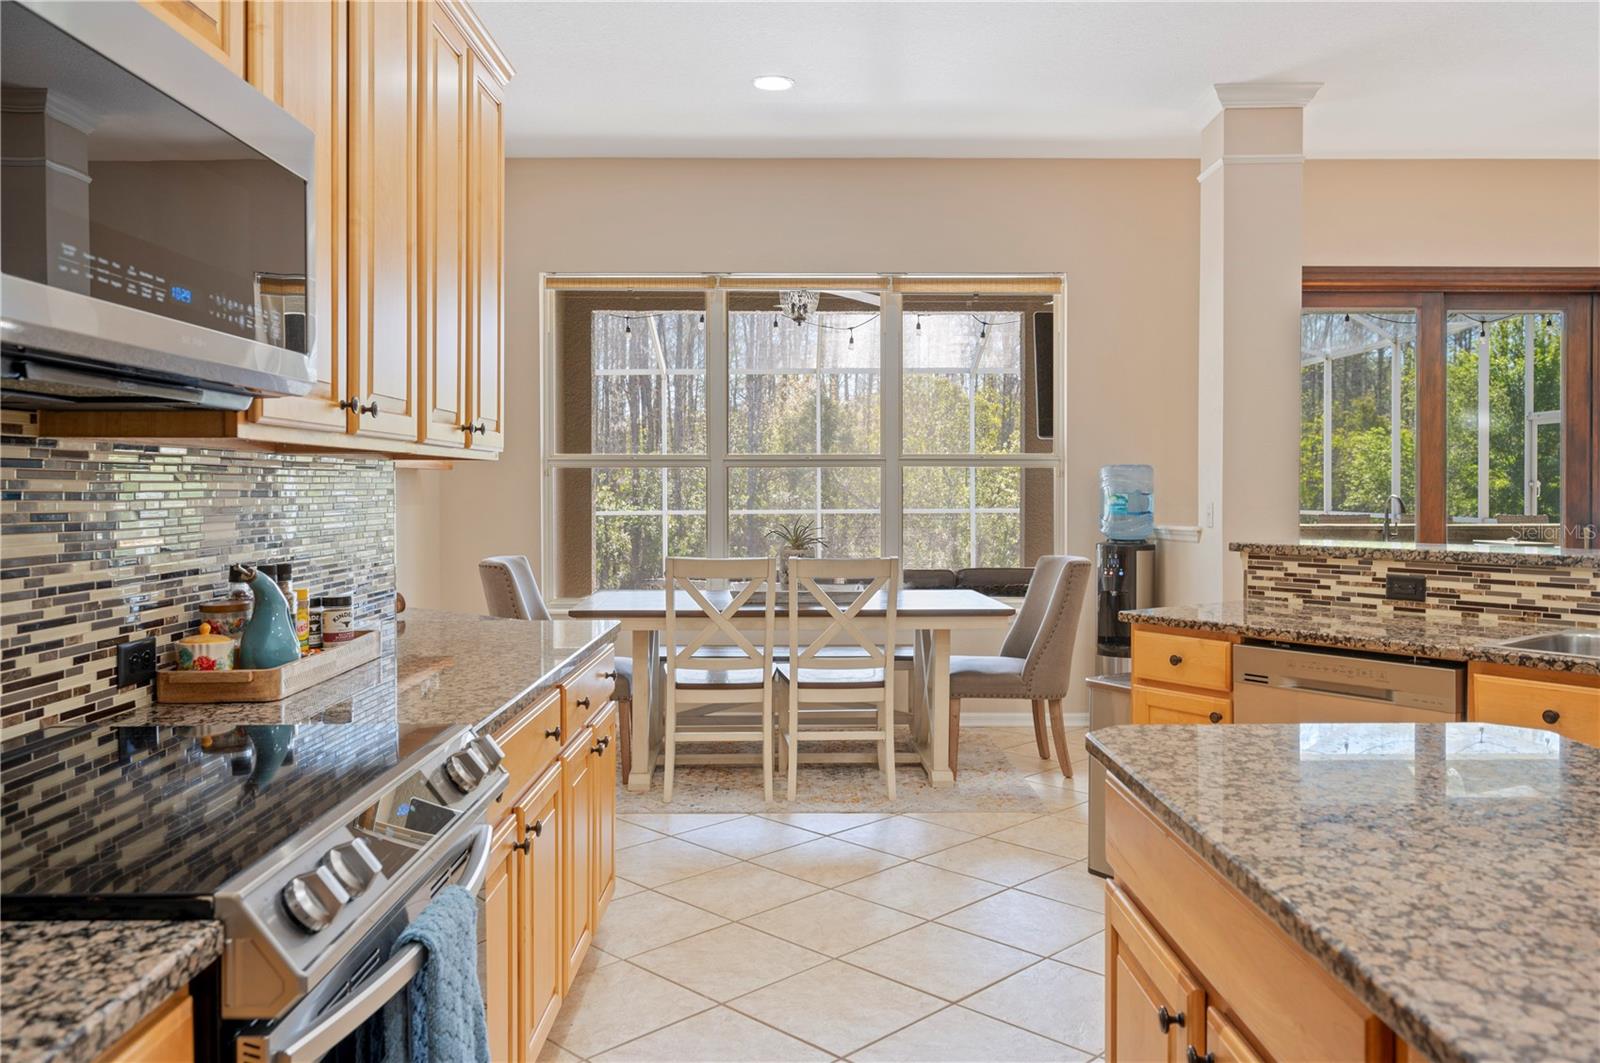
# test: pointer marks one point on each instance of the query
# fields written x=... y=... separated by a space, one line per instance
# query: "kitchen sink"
x=1570 y=643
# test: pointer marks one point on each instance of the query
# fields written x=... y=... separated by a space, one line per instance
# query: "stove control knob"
x=353 y=866
x=466 y=769
x=313 y=899
x=488 y=751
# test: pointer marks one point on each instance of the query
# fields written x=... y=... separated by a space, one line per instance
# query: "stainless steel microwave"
x=156 y=242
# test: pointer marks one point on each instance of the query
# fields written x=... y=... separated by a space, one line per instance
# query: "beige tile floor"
x=798 y=936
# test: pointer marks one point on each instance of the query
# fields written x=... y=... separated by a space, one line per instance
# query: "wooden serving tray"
x=267 y=684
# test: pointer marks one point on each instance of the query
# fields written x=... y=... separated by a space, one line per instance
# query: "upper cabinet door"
x=384 y=336
x=217 y=26
x=446 y=89
x=486 y=168
x=299 y=58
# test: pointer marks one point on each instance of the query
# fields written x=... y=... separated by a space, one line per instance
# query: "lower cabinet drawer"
x=1153 y=705
x=532 y=743
x=1182 y=659
x=1570 y=710
x=588 y=689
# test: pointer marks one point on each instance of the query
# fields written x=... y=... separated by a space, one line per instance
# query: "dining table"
x=924 y=617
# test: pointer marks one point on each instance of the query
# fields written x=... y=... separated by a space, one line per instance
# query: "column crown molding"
x=1266 y=93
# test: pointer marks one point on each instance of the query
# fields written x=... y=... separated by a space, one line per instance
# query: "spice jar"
x=338 y=619
x=314 y=627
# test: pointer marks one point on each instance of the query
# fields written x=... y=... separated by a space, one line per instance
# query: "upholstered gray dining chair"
x=512 y=593
x=1035 y=661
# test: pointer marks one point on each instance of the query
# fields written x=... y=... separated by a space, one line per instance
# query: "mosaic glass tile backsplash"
x=105 y=542
x=1558 y=595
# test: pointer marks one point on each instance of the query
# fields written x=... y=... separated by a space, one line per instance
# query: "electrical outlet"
x=136 y=662
x=1405 y=587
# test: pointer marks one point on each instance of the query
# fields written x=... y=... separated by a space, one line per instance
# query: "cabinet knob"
x=608 y=675
x=525 y=844
x=600 y=746
x=1175 y=660
x=1191 y=1056
x=1166 y=1020
x=1216 y=717
x=350 y=404
x=582 y=703
x=481 y=428
x=554 y=732
x=1550 y=716
x=371 y=409
x=467 y=428
x=538 y=827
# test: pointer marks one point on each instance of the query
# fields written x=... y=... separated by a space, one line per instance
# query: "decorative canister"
x=226 y=616
x=205 y=652
x=338 y=619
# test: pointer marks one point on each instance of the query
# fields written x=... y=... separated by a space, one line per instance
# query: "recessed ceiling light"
x=773 y=83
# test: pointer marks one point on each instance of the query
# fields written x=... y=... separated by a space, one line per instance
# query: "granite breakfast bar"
x=1439 y=880
x=439 y=670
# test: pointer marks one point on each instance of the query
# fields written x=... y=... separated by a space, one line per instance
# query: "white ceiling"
x=1401 y=80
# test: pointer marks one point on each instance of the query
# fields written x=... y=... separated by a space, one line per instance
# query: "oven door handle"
x=387 y=982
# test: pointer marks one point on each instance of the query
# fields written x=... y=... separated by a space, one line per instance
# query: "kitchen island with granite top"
x=170 y=800
x=1356 y=891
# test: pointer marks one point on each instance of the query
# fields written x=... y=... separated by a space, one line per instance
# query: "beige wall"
x=1125 y=232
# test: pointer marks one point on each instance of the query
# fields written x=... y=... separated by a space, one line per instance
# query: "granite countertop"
x=71 y=989
x=1521 y=554
x=438 y=670
x=1445 y=873
x=1437 y=635
x=447 y=669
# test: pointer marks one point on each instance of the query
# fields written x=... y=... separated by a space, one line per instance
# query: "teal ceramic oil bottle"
x=269 y=639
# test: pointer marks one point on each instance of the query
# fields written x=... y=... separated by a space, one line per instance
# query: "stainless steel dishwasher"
x=1273 y=685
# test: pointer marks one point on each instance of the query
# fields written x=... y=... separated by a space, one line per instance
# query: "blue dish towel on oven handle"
x=444 y=1002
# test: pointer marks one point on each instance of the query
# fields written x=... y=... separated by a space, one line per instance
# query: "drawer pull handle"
x=525 y=844
x=1216 y=717
x=1166 y=1020
x=1195 y=1057
x=582 y=703
x=1550 y=716
x=554 y=732
x=1175 y=660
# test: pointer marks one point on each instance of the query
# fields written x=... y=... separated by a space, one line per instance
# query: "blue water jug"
x=1128 y=507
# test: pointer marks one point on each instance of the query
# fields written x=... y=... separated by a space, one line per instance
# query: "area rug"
x=1000 y=772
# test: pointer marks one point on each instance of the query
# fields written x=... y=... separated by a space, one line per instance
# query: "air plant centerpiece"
x=795 y=538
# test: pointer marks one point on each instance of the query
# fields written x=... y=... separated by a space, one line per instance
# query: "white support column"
x=1248 y=467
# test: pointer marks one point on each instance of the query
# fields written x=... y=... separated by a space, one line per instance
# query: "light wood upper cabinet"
x=445 y=88
x=486 y=273
x=384 y=345
x=299 y=55
x=405 y=305
x=216 y=26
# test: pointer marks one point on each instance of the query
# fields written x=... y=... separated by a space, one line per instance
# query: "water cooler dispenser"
x=1127 y=577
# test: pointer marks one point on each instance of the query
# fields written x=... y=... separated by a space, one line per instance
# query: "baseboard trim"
x=1017 y=719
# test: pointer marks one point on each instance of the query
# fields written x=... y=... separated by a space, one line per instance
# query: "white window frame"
x=717 y=460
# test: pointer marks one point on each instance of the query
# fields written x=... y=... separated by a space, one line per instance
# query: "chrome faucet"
x=1393 y=510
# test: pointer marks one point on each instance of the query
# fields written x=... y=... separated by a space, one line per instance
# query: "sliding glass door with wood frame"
x=1450 y=405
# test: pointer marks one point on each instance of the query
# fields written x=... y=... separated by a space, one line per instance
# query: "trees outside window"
x=1472 y=394
x=691 y=420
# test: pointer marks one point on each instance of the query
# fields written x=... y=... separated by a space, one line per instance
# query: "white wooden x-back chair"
x=705 y=684
x=844 y=696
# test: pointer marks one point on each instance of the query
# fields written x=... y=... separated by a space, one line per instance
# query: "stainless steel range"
x=314 y=844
